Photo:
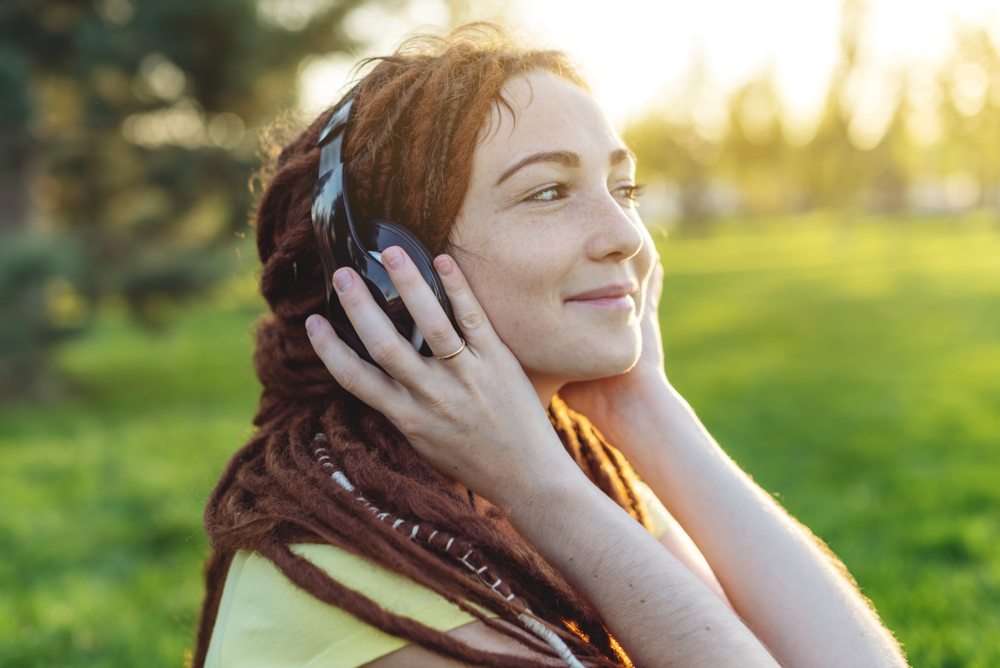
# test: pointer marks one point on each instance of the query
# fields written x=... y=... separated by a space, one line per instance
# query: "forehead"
x=550 y=113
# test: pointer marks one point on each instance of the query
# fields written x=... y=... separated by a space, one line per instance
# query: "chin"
x=606 y=363
x=587 y=359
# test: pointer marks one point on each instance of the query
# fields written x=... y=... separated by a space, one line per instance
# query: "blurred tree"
x=129 y=129
x=830 y=168
x=755 y=153
x=919 y=143
x=752 y=151
x=674 y=143
x=887 y=167
x=971 y=115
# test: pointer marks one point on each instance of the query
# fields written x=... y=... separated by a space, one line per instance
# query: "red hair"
x=416 y=122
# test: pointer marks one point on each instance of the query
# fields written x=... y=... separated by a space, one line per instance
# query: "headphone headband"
x=336 y=122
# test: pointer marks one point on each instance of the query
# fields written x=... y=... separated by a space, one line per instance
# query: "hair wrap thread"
x=498 y=587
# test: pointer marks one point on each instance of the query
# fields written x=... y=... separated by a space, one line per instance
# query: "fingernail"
x=342 y=279
x=443 y=264
x=312 y=323
x=393 y=257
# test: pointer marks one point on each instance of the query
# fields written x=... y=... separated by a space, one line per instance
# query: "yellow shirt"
x=266 y=621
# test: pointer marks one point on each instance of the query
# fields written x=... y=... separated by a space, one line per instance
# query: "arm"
x=793 y=592
x=675 y=539
x=481 y=636
x=660 y=612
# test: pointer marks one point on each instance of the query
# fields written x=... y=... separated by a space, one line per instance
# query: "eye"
x=550 y=193
x=631 y=193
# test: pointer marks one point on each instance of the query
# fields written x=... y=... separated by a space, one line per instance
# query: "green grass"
x=852 y=367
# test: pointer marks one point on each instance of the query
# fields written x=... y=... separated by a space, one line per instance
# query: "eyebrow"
x=565 y=158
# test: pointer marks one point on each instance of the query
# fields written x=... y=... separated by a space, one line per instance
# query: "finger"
x=350 y=371
x=469 y=313
x=421 y=302
x=386 y=346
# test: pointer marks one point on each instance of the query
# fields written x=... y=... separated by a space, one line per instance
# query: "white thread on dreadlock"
x=343 y=481
x=548 y=636
x=526 y=618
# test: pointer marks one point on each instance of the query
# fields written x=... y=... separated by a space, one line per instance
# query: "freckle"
x=708 y=628
x=642 y=600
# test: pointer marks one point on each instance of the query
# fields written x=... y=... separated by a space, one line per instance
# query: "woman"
x=469 y=506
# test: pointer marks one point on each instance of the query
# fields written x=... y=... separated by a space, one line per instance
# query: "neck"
x=545 y=387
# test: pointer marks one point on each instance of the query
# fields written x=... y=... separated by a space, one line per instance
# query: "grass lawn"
x=851 y=366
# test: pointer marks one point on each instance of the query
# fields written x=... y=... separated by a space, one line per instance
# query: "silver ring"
x=450 y=355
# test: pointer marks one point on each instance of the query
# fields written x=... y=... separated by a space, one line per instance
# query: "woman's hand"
x=475 y=417
x=605 y=400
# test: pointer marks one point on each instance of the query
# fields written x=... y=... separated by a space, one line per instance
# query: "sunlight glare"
x=644 y=53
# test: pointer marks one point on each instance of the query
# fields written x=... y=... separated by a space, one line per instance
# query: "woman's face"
x=547 y=216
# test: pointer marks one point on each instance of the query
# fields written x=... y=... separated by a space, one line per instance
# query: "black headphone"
x=341 y=243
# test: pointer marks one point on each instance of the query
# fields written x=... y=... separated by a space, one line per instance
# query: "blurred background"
x=823 y=183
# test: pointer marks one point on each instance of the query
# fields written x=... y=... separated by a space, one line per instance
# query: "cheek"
x=525 y=310
x=521 y=300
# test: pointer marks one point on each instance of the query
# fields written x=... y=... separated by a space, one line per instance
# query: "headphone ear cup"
x=385 y=233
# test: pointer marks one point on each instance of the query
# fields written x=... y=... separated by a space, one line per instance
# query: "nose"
x=615 y=231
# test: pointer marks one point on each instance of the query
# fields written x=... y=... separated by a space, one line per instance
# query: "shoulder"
x=265 y=620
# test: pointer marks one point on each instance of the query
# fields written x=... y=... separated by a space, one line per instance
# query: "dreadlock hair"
x=408 y=151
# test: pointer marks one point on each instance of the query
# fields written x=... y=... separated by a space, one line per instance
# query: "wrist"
x=649 y=399
x=655 y=421
x=539 y=485
x=642 y=380
x=549 y=487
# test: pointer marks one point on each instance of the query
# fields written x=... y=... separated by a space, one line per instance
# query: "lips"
x=607 y=292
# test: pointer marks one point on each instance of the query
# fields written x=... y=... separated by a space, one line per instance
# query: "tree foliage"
x=933 y=148
x=128 y=135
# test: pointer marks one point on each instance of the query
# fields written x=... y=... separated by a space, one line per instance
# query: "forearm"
x=660 y=612
x=782 y=583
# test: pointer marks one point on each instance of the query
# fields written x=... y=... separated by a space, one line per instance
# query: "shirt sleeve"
x=265 y=620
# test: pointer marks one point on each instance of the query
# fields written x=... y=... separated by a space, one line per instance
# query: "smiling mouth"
x=622 y=302
x=608 y=291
